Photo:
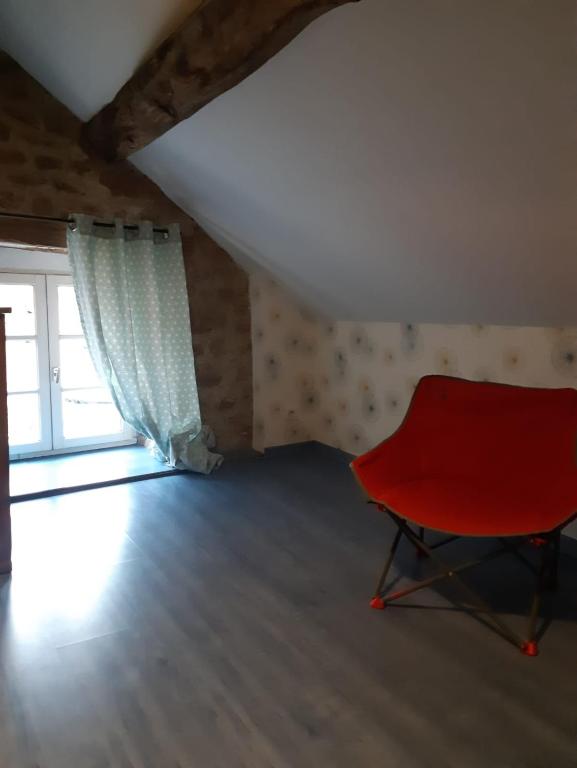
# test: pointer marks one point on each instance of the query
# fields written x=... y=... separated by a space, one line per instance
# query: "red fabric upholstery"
x=479 y=459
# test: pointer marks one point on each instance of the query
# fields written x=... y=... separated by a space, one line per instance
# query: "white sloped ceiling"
x=83 y=51
x=400 y=161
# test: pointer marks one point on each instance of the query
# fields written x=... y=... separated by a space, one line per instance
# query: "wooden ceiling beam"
x=220 y=44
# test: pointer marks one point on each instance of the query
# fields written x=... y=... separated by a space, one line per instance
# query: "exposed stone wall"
x=44 y=171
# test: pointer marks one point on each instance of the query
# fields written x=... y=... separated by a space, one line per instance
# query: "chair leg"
x=377 y=601
x=530 y=647
x=453 y=573
x=548 y=544
x=420 y=552
x=552 y=577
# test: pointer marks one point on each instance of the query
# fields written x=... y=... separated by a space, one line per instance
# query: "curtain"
x=131 y=292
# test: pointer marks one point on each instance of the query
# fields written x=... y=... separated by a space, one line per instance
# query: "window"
x=56 y=400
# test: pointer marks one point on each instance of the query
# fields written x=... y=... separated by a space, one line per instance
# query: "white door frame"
x=32 y=268
x=59 y=441
x=41 y=338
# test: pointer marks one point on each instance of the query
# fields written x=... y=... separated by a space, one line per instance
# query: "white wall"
x=349 y=384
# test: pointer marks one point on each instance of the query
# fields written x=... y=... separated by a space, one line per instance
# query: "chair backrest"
x=466 y=428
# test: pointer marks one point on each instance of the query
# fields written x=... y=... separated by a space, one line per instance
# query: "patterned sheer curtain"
x=131 y=293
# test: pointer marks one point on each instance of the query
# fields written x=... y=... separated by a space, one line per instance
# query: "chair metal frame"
x=547 y=543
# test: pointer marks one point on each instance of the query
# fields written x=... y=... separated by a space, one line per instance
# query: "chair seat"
x=479 y=459
x=467 y=507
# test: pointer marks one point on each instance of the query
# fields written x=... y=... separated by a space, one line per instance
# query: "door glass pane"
x=76 y=369
x=68 y=317
x=21 y=365
x=23 y=419
x=88 y=412
x=20 y=298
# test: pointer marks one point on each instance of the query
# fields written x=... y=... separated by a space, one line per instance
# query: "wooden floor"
x=54 y=474
x=192 y=622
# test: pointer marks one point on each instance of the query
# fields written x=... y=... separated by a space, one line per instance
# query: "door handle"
x=56 y=374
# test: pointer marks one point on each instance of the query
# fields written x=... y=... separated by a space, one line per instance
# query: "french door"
x=56 y=401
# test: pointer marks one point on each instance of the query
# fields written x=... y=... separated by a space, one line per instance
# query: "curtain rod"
x=108 y=224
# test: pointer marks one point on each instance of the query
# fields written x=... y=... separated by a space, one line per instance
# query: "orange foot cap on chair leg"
x=537 y=541
x=530 y=648
x=377 y=603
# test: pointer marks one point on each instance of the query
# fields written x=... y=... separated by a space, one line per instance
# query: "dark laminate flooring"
x=192 y=622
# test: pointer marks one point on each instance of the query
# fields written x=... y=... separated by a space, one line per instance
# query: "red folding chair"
x=478 y=459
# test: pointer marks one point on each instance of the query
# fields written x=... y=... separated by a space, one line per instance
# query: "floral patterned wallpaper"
x=349 y=384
